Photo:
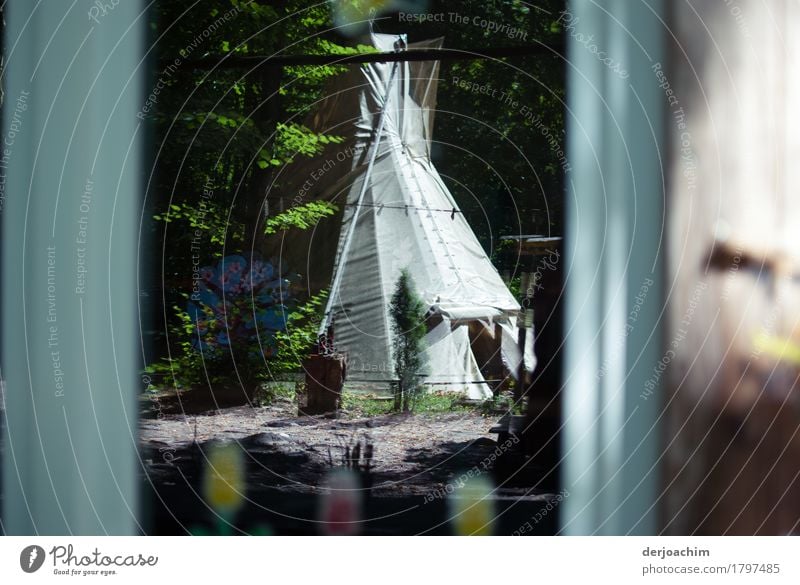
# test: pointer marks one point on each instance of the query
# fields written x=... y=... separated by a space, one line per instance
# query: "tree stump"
x=325 y=375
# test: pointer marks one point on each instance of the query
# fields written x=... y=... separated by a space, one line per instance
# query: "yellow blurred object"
x=224 y=483
x=472 y=509
x=782 y=349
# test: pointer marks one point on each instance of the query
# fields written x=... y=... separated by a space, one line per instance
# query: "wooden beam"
x=235 y=61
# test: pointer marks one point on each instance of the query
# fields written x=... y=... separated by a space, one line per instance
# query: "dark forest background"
x=234 y=129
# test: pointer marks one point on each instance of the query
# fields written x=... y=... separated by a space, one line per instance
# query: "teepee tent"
x=397 y=213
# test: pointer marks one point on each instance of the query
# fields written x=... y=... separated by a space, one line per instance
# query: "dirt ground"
x=411 y=453
x=415 y=458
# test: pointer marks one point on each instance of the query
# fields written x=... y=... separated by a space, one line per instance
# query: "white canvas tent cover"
x=403 y=217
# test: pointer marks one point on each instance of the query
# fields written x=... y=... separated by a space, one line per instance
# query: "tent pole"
x=339 y=269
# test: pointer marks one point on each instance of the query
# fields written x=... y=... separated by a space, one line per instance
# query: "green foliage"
x=441 y=402
x=407 y=312
x=360 y=405
x=272 y=392
x=207 y=218
x=295 y=343
x=185 y=367
x=300 y=216
x=308 y=81
x=294 y=140
x=227 y=128
x=514 y=286
x=237 y=130
x=503 y=403
x=188 y=367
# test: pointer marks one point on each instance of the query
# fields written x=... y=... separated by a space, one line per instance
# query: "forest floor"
x=417 y=457
x=412 y=453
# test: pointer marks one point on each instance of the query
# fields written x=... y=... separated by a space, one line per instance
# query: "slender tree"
x=408 y=320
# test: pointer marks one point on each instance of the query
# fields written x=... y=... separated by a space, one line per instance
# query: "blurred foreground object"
x=225 y=478
x=74 y=156
x=341 y=503
x=471 y=508
x=732 y=396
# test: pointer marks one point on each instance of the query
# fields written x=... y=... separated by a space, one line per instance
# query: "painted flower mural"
x=238 y=304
